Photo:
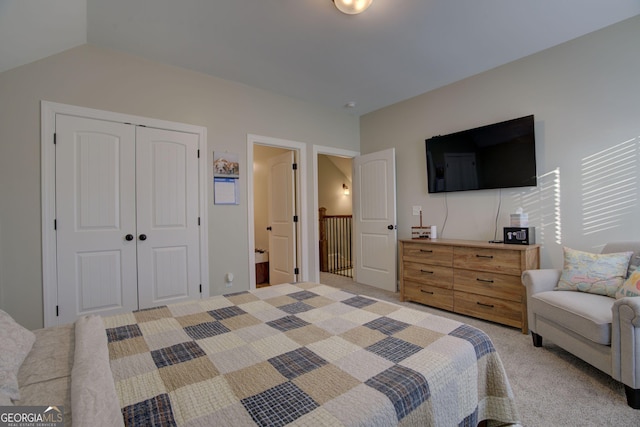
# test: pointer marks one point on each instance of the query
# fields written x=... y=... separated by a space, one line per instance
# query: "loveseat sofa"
x=601 y=330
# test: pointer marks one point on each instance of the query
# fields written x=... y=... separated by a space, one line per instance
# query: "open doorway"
x=374 y=217
x=274 y=202
x=335 y=215
x=333 y=169
x=276 y=211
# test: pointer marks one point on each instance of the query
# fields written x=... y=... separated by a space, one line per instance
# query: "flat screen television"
x=500 y=155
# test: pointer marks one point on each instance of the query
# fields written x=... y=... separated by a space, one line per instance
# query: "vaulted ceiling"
x=307 y=49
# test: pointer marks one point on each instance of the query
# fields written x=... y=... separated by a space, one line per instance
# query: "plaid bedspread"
x=304 y=354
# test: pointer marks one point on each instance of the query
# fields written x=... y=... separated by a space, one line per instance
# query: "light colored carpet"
x=552 y=387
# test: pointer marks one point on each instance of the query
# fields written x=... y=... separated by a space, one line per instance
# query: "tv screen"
x=500 y=155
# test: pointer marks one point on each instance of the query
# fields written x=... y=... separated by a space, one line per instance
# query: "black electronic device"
x=500 y=155
x=520 y=235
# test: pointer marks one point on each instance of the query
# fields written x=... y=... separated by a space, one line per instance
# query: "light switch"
x=416 y=210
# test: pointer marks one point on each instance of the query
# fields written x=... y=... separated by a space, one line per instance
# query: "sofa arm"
x=625 y=341
x=540 y=280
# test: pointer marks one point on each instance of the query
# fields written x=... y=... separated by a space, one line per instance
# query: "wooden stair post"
x=324 y=248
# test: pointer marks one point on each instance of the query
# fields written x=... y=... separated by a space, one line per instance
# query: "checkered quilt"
x=304 y=354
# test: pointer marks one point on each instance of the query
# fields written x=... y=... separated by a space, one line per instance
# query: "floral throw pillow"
x=600 y=274
x=631 y=287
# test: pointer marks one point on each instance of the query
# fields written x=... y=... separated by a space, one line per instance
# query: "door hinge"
x=198 y=153
x=296 y=270
x=200 y=288
x=295 y=218
x=198 y=221
x=55 y=138
x=295 y=166
x=55 y=224
x=57 y=311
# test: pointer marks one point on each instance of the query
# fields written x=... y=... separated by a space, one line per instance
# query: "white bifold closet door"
x=127 y=217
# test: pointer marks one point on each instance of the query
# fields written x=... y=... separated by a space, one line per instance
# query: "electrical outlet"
x=417 y=210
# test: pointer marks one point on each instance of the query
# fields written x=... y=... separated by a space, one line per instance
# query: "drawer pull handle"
x=485 y=305
x=484 y=280
x=429 y=251
x=426 y=292
x=426 y=271
x=484 y=256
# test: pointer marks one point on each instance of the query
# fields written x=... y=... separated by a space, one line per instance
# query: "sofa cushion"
x=600 y=274
x=634 y=263
x=15 y=342
x=588 y=315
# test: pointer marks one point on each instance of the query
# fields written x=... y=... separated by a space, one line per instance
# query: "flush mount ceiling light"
x=352 y=7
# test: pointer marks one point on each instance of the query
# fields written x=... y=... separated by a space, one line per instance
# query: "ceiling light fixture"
x=352 y=7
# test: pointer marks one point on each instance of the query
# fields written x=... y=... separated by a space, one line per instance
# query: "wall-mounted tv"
x=500 y=155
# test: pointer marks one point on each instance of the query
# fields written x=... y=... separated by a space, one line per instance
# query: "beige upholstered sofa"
x=600 y=330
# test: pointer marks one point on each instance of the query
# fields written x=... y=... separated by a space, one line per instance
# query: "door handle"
x=390 y=227
x=128 y=237
x=143 y=237
x=269 y=228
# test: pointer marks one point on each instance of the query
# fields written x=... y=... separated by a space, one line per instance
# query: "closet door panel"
x=170 y=272
x=167 y=216
x=95 y=210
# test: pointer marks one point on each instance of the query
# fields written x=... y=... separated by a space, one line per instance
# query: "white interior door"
x=95 y=211
x=127 y=207
x=167 y=216
x=374 y=219
x=281 y=210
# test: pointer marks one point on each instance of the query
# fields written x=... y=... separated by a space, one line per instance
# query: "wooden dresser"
x=469 y=277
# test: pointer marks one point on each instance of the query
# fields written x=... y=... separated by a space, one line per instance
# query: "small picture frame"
x=226 y=165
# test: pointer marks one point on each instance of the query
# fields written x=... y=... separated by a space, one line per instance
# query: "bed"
x=292 y=354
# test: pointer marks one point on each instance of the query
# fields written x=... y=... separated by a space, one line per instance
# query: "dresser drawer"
x=428 y=253
x=484 y=259
x=488 y=308
x=428 y=274
x=489 y=284
x=429 y=295
x=468 y=277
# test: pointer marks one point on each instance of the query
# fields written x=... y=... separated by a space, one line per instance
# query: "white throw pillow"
x=15 y=345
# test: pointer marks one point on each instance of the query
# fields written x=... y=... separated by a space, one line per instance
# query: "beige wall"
x=585 y=95
x=330 y=192
x=92 y=77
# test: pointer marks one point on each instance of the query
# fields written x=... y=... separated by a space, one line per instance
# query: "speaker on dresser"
x=520 y=235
